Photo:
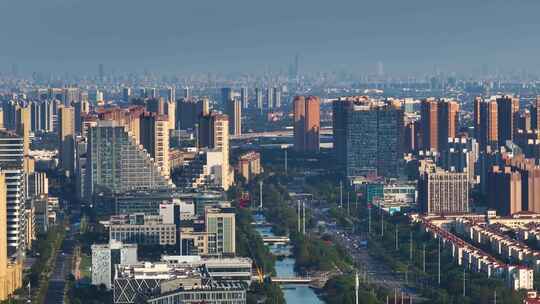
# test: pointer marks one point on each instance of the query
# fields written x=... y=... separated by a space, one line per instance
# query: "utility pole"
x=382 y=225
x=424 y=259
x=397 y=234
x=285 y=161
x=369 y=219
x=304 y=217
x=298 y=215
x=260 y=194
x=463 y=280
x=340 y=194
x=439 y=264
x=410 y=246
x=348 y=208
x=356 y=287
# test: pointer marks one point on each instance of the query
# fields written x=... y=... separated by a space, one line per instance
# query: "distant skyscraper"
x=70 y=96
x=505 y=188
x=306 y=123
x=486 y=120
x=126 y=94
x=259 y=98
x=213 y=133
x=170 y=111
x=448 y=123
x=156 y=105
x=269 y=98
x=66 y=134
x=244 y=97
x=277 y=98
x=190 y=111
x=234 y=111
x=154 y=136
x=227 y=94
x=187 y=92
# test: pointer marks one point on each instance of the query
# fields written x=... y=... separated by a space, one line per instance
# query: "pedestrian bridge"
x=276 y=240
x=291 y=280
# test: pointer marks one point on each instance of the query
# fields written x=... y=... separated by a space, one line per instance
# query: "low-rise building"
x=105 y=257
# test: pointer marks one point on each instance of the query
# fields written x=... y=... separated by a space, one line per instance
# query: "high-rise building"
x=535 y=114
x=221 y=224
x=66 y=135
x=70 y=96
x=443 y=192
x=461 y=155
x=439 y=121
x=10 y=272
x=189 y=112
x=249 y=165
x=80 y=109
x=277 y=98
x=507 y=109
x=213 y=133
x=156 y=105
x=234 y=111
x=259 y=99
x=505 y=188
x=187 y=93
x=244 y=98
x=154 y=136
x=23 y=127
x=117 y=163
x=170 y=111
x=126 y=94
x=306 y=123
x=227 y=94
x=428 y=124
x=270 y=98
x=368 y=136
x=486 y=122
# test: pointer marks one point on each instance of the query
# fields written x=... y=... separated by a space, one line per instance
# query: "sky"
x=186 y=36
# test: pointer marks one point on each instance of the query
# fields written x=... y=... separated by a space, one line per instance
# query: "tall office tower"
x=213 y=133
x=66 y=136
x=189 y=112
x=221 y=224
x=535 y=114
x=259 y=99
x=156 y=105
x=151 y=93
x=368 y=136
x=269 y=98
x=23 y=125
x=523 y=121
x=132 y=169
x=126 y=94
x=486 y=125
x=507 y=107
x=277 y=98
x=448 y=123
x=46 y=116
x=244 y=97
x=80 y=109
x=170 y=111
x=10 y=273
x=307 y=123
x=428 y=124
x=9 y=109
x=234 y=111
x=142 y=93
x=187 y=92
x=168 y=93
x=226 y=95
x=12 y=163
x=35 y=116
x=411 y=136
x=340 y=108
x=70 y=96
x=504 y=193
x=443 y=192
x=154 y=136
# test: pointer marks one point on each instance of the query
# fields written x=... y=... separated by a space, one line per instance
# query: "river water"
x=294 y=294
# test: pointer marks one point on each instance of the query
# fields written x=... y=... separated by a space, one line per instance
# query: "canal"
x=294 y=294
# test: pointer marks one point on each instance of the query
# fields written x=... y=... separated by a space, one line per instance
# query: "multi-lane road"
x=62 y=268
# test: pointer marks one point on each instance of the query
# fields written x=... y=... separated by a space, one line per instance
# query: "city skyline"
x=241 y=36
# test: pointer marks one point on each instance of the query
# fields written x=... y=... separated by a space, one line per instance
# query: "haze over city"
x=409 y=37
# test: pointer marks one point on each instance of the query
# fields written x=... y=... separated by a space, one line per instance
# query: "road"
x=62 y=268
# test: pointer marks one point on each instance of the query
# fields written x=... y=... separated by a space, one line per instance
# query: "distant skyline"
x=166 y=36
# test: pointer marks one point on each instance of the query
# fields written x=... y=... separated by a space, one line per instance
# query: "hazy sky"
x=254 y=35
